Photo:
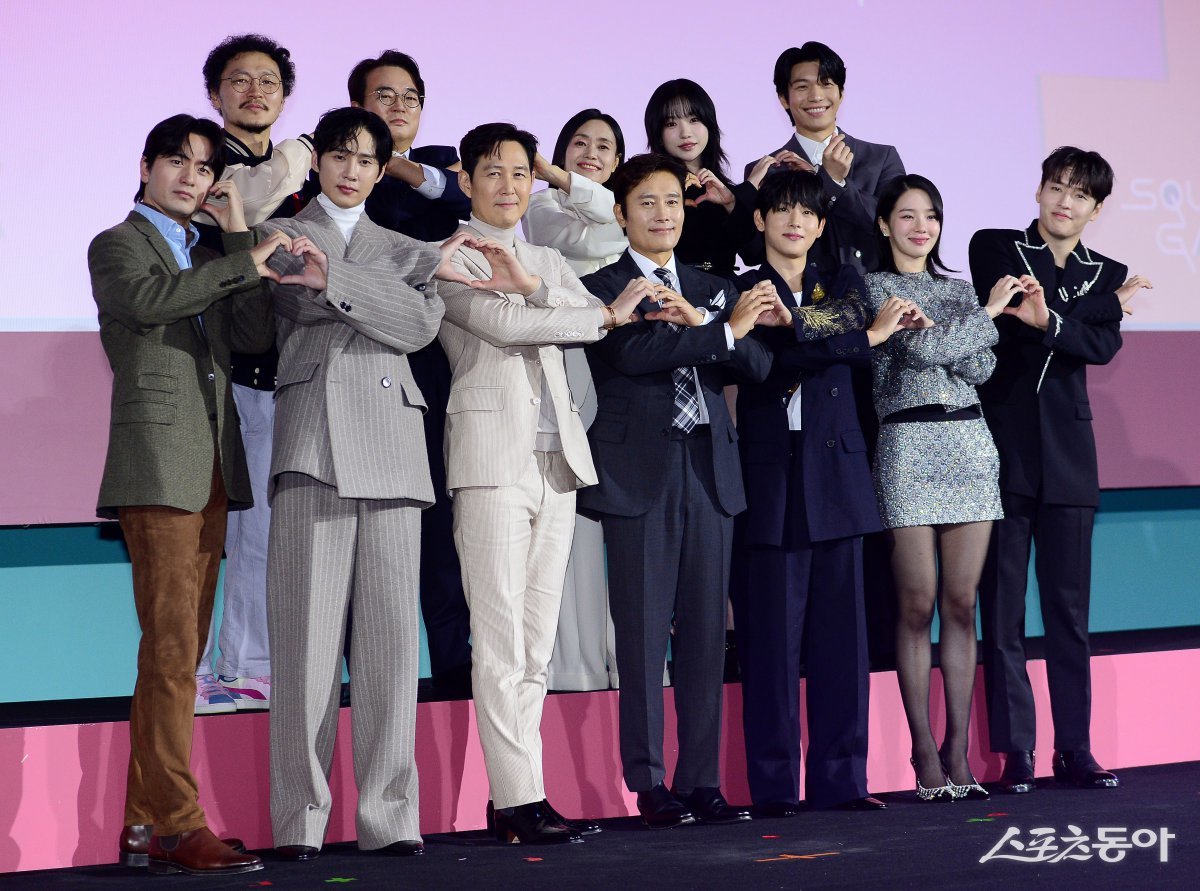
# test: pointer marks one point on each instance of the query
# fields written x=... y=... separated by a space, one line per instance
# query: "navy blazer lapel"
x=625 y=270
x=697 y=291
x=767 y=271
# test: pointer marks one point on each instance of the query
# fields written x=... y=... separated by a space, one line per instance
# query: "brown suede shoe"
x=134 y=844
x=198 y=853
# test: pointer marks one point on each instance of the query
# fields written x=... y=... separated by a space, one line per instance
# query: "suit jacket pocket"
x=296 y=374
x=144 y=413
x=1083 y=411
x=157 y=381
x=607 y=431
x=475 y=399
x=854 y=441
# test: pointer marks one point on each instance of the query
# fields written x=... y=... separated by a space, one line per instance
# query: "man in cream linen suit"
x=516 y=452
x=349 y=478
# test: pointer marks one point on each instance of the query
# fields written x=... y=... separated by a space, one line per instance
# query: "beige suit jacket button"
x=386 y=382
x=535 y=401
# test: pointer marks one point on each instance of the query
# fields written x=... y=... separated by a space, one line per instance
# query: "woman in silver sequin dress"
x=936 y=472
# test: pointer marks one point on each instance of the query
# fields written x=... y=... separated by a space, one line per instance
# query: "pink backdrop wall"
x=63 y=785
x=972 y=94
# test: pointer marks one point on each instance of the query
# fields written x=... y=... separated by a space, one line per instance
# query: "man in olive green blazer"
x=169 y=313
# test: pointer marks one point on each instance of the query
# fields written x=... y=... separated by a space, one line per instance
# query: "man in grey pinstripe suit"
x=349 y=477
x=516 y=452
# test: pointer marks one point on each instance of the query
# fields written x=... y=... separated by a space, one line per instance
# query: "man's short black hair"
x=338 y=131
x=830 y=66
x=356 y=85
x=170 y=138
x=1079 y=169
x=639 y=168
x=485 y=140
x=784 y=190
x=214 y=65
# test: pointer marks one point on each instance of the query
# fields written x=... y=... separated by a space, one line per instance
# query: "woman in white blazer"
x=575 y=216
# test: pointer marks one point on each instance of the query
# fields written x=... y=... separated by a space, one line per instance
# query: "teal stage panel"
x=68 y=628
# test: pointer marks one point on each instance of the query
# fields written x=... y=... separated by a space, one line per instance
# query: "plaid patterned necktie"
x=687 y=403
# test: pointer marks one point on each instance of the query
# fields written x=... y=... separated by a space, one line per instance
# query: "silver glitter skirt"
x=933 y=472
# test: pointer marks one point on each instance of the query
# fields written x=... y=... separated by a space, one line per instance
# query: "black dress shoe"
x=779 y=809
x=1018 y=773
x=402 y=848
x=530 y=824
x=297 y=853
x=710 y=806
x=866 y=803
x=583 y=827
x=1079 y=768
x=662 y=810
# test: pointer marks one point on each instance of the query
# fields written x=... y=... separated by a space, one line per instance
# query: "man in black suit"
x=798 y=564
x=1067 y=316
x=419 y=196
x=810 y=82
x=670 y=483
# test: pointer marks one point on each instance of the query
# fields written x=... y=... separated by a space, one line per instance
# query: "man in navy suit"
x=1068 y=316
x=798 y=573
x=810 y=82
x=665 y=452
x=419 y=196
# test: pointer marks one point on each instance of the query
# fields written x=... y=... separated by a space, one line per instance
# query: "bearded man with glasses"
x=248 y=78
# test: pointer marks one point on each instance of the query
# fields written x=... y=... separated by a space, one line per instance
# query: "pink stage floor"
x=62 y=787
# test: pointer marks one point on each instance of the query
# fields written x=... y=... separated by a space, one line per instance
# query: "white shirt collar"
x=647 y=266
x=813 y=149
x=346 y=218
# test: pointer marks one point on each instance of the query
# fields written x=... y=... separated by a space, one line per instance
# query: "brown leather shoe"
x=198 y=852
x=134 y=844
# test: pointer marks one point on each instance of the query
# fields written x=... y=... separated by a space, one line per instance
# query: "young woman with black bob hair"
x=936 y=472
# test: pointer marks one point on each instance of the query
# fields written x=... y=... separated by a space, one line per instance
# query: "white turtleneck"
x=345 y=217
x=507 y=237
x=548 y=439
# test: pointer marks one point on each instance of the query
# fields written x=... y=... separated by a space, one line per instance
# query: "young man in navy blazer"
x=797 y=566
x=810 y=83
x=419 y=196
x=670 y=483
x=1070 y=301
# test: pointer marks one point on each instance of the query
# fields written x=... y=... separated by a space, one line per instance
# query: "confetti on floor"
x=782 y=857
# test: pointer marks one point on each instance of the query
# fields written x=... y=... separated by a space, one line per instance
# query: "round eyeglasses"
x=268 y=83
x=387 y=96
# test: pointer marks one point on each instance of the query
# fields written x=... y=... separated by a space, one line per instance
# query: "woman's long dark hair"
x=571 y=127
x=887 y=203
x=681 y=98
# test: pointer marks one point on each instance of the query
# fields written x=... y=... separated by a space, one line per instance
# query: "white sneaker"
x=212 y=698
x=249 y=694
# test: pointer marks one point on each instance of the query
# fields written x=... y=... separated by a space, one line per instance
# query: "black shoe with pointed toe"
x=662 y=810
x=1080 y=769
x=710 y=806
x=583 y=826
x=1017 y=778
x=530 y=824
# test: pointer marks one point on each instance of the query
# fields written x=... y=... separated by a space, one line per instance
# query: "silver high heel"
x=947 y=792
x=971 y=791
